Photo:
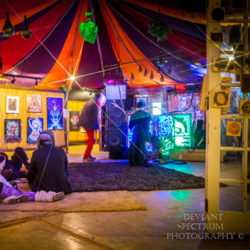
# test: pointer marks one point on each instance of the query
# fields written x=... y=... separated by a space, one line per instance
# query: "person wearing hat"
x=89 y=121
x=48 y=169
x=139 y=123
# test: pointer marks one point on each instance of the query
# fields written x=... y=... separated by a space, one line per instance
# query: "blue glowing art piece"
x=55 y=113
x=34 y=128
x=166 y=125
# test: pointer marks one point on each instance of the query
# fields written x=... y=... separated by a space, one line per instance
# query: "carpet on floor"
x=101 y=176
x=83 y=202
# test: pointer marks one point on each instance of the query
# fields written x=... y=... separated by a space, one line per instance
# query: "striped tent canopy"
x=124 y=50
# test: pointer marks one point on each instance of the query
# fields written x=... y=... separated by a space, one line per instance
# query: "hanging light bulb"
x=145 y=72
x=26 y=32
x=162 y=78
x=152 y=75
x=140 y=68
x=36 y=82
x=8 y=28
x=132 y=76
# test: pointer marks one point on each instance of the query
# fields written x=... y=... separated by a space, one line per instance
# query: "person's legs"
x=11 y=195
x=90 y=143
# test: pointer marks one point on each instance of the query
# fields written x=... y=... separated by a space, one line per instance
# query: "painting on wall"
x=73 y=119
x=34 y=103
x=12 y=105
x=55 y=113
x=12 y=130
x=34 y=128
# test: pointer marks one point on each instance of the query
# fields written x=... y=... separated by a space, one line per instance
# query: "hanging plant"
x=159 y=29
x=88 y=30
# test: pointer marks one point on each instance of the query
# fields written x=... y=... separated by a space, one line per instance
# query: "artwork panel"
x=12 y=130
x=34 y=128
x=74 y=119
x=54 y=113
x=12 y=105
x=34 y=103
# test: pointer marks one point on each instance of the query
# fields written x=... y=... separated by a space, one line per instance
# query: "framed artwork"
x=34 y=128
x=12 y=130
x=73 y=120
x=34 y=103
x=12 y=105
x=55 y=113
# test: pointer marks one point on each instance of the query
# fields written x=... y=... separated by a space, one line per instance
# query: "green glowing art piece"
x=167 y=145
x=182 y=130
x=88 y=30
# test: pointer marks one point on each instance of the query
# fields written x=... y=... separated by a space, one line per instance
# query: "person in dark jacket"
x=48 y=168
x=139 y=123
x=89 y=121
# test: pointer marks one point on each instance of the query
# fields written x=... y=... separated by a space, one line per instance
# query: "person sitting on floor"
x=11 y=169
x=48 y=169
x=11 y=195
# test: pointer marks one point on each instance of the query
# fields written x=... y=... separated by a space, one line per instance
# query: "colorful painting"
x=55 y=113
x=12 y=105
x=182 y=130
x=34 y=128
x=73 y=119
x=34 y=103
x=12 y=130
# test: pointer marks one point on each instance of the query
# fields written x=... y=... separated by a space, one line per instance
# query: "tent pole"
x=66 y=122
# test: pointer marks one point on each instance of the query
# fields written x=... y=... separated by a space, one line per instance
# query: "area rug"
x=102 y=176
x=83 y=202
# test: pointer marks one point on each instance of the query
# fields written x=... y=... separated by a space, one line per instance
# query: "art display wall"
x=25 y=113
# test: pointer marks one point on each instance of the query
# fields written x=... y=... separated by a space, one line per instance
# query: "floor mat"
x=83 y=202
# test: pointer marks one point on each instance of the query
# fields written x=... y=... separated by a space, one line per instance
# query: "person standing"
x=89 y=121
x=139 y=123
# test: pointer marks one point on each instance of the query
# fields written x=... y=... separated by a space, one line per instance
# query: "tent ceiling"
x=57 y=51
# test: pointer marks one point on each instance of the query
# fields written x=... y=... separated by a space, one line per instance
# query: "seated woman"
x=49 y=166
x=10 y=195
x=139 y=123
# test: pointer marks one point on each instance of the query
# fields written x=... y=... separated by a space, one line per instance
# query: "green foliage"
x=159 y=29
x=88 y=30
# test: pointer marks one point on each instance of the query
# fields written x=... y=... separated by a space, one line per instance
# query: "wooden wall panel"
x=13 y=90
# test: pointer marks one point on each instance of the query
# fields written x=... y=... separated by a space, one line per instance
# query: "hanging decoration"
x=159 y=29
x=26 y=32
x=140 y=68
x=132 y=76
x=152 y=75
x=8 y=28
x=145 y=72
x=88 y=30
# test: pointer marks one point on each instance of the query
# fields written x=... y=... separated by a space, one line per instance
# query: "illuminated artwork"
x=156 y=108
x=12 y=105
x=167 y=145
x=55 y=113
x=182 y=130
x=74 y=119
x=12 y=130
x=34 y=128
x=34 y=103
x=166 y=125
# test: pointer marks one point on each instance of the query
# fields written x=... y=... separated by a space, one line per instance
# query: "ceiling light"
x=72 y=78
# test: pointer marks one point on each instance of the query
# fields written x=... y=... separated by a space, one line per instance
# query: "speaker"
x=116 y=117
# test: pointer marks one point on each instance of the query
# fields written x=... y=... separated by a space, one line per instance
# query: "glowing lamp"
x=26 y=32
